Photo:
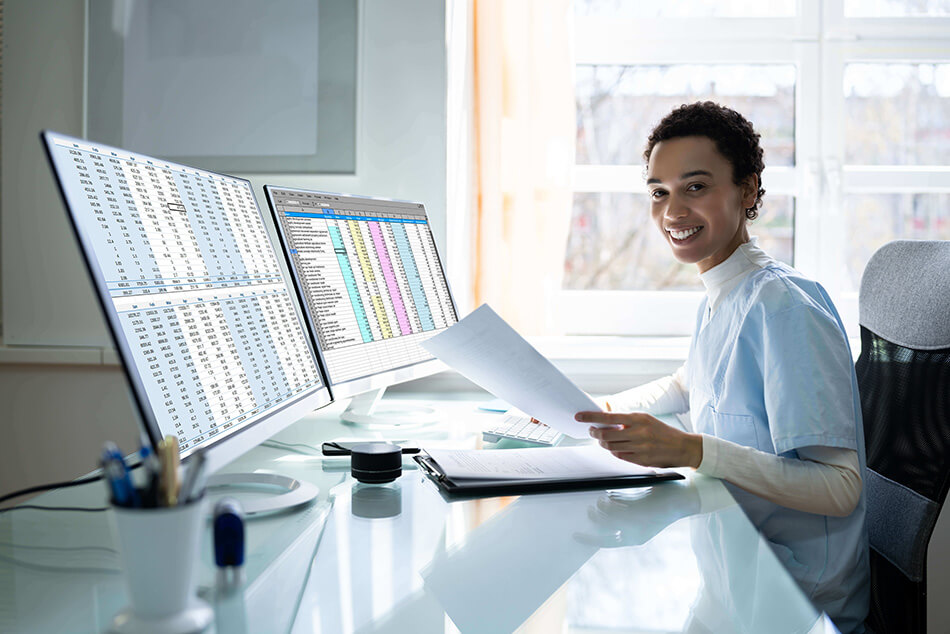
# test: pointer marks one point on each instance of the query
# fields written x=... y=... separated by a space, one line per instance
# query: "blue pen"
x=153 y=470
x=117 y=475
x=147 y=454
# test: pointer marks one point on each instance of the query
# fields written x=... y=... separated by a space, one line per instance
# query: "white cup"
x=160 y=549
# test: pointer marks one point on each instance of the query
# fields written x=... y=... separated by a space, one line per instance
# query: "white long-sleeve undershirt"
x=822 y=480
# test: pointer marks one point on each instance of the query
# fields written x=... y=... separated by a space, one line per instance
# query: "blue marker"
x=117 y=475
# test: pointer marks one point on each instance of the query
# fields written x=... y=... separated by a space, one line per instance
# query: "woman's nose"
x=676 y=208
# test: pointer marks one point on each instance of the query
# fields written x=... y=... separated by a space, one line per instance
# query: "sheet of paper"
x=487 y=351
x=537 y=463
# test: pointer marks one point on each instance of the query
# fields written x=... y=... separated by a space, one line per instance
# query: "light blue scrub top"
x=771 y=368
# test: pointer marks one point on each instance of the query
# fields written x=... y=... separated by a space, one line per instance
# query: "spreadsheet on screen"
x=369 y=275
x=196 y=287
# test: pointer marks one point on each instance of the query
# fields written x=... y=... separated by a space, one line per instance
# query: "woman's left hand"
x=644 y=440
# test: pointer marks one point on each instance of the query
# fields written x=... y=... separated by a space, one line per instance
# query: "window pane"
x=614 y=245
x=617 y=106
x=876 y=219
x=686 y=8
x=897 y=114
x=775 y=227
x=895 y=8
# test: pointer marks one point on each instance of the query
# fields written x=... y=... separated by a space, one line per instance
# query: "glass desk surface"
x=680 y=556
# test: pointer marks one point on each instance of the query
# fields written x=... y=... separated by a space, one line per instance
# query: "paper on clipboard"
x=483 y=348
x=550 y=463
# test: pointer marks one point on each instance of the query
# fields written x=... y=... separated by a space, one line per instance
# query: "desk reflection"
x=680 y=556
x=271 y=600
x=375 y=501
x=711 y=573
x=507 y=569
x=375 y=541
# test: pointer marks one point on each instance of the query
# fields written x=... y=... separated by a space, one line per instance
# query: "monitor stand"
x=290 y=491
x=366 y=411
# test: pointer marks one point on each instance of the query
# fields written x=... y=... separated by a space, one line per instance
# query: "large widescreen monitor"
x=371 y=284
x=208 y=329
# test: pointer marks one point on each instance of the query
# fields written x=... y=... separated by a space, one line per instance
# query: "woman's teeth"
x=682 y=235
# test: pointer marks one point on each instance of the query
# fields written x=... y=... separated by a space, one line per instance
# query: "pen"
x=194 y=482
x=169 y=485
x=117 y=476
x=153 y=471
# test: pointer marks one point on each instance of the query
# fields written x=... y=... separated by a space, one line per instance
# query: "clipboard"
x=495 y=486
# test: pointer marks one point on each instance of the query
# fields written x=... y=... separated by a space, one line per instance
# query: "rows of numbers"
x=171 y=230
x=216 y=363
x=197 y=286
x=374 y=288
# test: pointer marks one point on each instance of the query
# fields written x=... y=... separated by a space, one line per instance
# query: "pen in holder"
x=159 y=547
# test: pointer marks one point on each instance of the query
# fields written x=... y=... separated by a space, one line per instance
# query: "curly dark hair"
x=733 y=134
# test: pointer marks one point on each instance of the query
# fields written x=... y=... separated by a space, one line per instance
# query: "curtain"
x=524 y=120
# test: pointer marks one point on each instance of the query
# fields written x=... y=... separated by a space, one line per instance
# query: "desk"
x=678 y=557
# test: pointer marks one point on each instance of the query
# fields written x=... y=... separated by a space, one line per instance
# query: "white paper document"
x=487 y=351
x=556 y=463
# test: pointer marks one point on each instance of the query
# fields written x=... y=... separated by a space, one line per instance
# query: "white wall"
x=42 y=88
x=62 y=396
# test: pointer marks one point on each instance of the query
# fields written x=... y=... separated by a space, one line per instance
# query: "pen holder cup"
x=160 y=550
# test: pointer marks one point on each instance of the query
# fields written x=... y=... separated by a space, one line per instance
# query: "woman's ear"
x=750 y=191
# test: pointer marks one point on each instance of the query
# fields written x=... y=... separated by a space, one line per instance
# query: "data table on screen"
x=371 y=280
x=195 y=281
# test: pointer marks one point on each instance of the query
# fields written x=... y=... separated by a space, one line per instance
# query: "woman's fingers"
x=642 y=438
x=607 y=418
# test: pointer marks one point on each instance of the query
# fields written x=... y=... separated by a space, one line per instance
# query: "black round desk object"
x=376 y=462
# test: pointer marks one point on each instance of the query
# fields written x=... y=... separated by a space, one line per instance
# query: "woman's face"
x=695 y=204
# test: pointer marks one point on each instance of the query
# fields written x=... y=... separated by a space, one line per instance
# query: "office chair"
x=904 y=379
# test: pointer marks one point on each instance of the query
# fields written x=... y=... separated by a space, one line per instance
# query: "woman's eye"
x=656 y=194
x=695 y=187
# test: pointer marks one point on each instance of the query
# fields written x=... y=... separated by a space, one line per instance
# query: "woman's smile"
x=683 y=236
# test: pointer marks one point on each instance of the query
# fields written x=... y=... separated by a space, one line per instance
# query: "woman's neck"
x=741 y=237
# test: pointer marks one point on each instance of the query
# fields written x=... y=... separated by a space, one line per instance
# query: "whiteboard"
x=227 y=85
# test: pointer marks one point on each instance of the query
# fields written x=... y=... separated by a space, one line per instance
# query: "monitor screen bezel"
x=218 y=452
x=380 y=380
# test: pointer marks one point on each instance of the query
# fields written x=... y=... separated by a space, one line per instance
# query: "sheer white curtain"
x=524 y=118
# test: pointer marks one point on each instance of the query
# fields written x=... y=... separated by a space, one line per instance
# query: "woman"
x=769 y=382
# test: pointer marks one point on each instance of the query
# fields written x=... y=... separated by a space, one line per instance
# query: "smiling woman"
x=768 y=383
x=703 y=187
x=695 y=202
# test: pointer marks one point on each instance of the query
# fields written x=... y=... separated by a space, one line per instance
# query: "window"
x=853 y=103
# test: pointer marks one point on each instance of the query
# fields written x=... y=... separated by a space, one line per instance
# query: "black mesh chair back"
x=904 y=379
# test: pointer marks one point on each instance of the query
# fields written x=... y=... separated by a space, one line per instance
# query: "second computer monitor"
x=370 y=281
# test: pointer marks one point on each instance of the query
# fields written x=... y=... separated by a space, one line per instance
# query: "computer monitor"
x=207 y=327
x=372 y=288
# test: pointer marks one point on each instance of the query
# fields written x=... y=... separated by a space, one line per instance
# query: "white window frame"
x=858 y=44
x=819 y=42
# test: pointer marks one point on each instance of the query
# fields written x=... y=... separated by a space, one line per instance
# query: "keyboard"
x=519 y=427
